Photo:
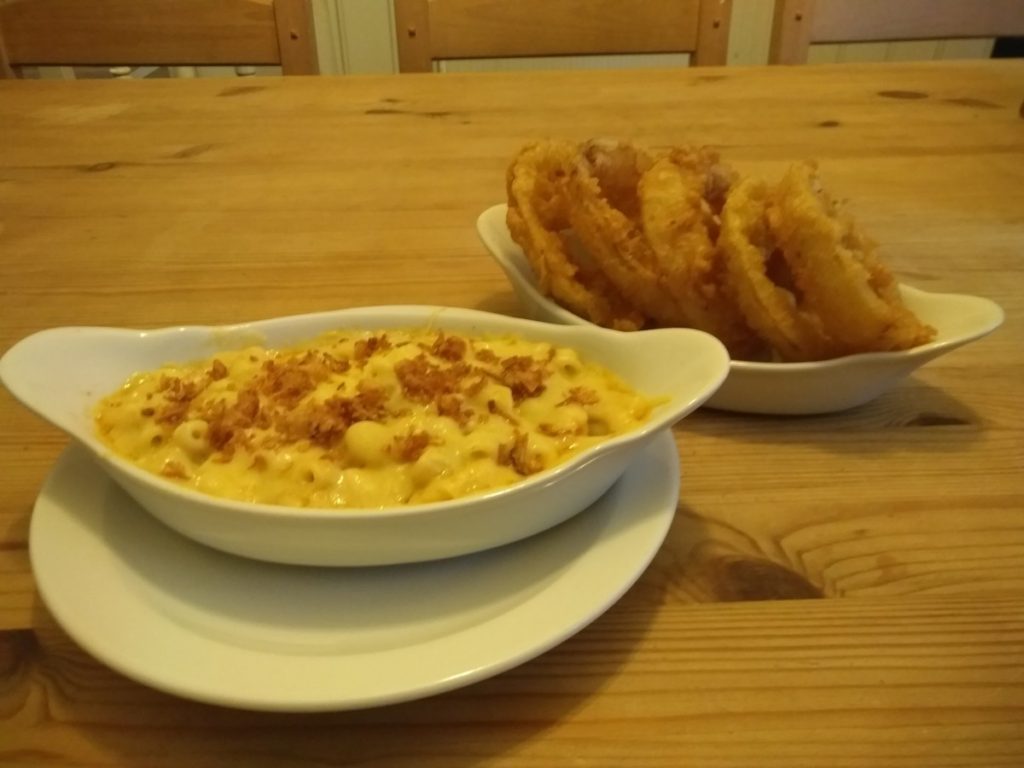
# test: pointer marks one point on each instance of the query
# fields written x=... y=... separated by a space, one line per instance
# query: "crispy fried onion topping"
x=277 y=407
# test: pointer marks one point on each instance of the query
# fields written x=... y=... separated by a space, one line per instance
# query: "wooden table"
x=146 y=204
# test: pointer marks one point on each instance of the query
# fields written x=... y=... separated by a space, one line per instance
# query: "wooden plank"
x=791 y=31
x=412 y=28
x=713 y=27
x=495 y=28
x=296 y=38
x=150 y=32
x=6 y=71
x=805 y=683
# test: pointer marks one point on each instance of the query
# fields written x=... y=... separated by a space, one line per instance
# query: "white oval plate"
x=783 y=388
x=201 y=624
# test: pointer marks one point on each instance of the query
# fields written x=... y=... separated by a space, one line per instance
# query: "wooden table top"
x=145 y=204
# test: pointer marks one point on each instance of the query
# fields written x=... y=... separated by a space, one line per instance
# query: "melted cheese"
x=360 y=419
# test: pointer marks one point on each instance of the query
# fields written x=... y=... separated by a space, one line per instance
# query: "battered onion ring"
x=626 y=237
x=618 y=167
x=763 y=289
x=611 y=234
x=681 y=227
x=537 y=217
x=856 y=298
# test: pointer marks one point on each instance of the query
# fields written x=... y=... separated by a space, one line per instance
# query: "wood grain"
x=160 y=32
x=934 y=681
x=466 y=29
x=838 y=590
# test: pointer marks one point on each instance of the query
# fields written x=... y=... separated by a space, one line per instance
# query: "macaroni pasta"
x=361 y=419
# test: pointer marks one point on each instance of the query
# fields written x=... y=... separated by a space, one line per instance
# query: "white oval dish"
x=783 y=388
x=61 y=374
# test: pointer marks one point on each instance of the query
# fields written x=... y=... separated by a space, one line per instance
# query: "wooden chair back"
x=799 y=23
x=431 y=30
x=158 y=32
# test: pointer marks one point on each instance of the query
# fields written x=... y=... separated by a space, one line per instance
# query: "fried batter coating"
x=537 y=217
x=615 y=240
x=618 y=167
x=837 y=267
x=628 y=237
x=681 y=226
x=769 y=299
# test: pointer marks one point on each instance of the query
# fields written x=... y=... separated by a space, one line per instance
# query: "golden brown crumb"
x=176 y=389
x=367 y=348
x=581 y=396
x=172 y=468
x=517 y=455
x=173 y=412
x=332 y=363
x=523 y=375
x=410 y=447
x=228 y=423
x=248 y=405
x=451 y=405
x=331 y=421
x=284 y=381
x=449 y=347
x=486 y=356
x=217 y=370
x=424 y=381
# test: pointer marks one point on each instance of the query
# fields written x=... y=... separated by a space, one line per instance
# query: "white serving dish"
x=784 y=388
x=61 y=373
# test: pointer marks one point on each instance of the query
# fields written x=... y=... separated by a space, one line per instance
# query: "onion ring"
x=764 y=291
x=681 y=227
x=856 y=298
x=537 y=217
x=630 y=238
x=612 y=236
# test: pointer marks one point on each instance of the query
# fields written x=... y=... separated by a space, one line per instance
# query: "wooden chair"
x=431 y=30
x=799 y=23
x=157 y=32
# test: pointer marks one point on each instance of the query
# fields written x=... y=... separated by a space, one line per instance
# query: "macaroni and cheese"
x=363 y=419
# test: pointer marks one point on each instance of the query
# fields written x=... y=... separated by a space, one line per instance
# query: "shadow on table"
x=933 y=419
